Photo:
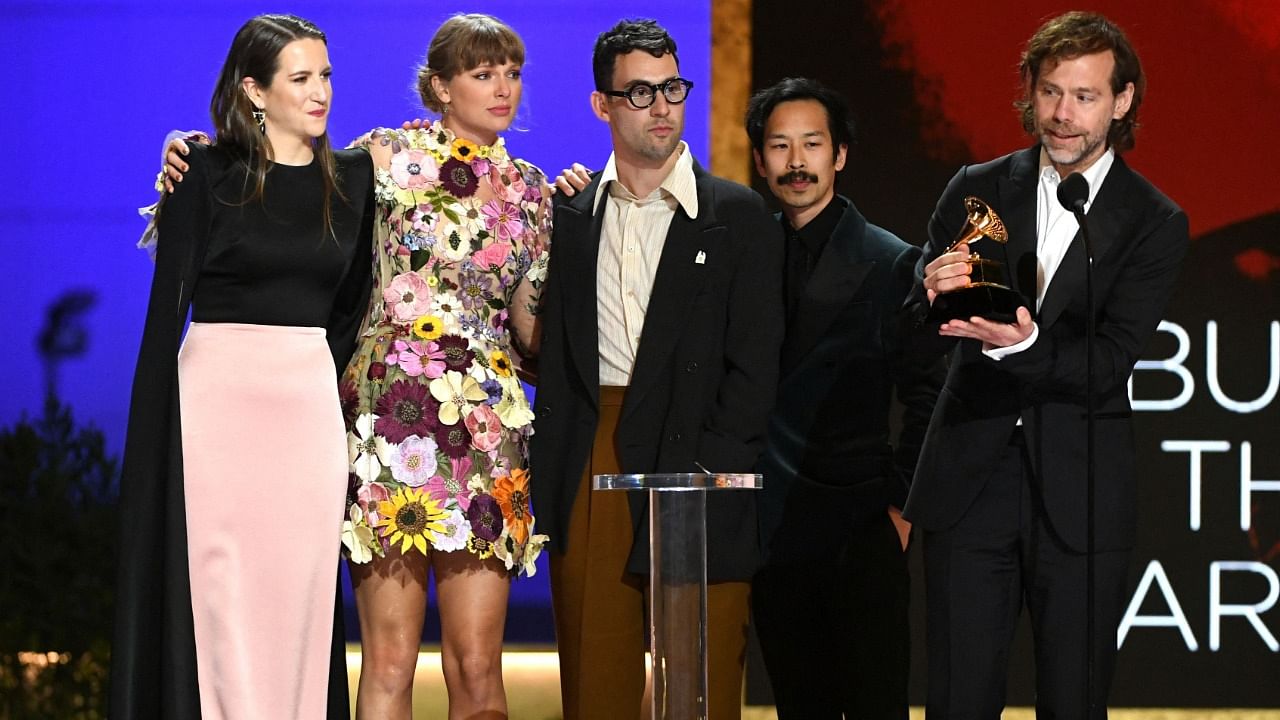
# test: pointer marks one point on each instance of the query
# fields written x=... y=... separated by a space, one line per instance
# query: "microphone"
x=1073 y=192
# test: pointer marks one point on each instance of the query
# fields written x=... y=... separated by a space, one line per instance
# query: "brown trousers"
x=600 y=608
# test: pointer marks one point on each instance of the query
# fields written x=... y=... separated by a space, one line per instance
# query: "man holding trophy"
x=1000 y=488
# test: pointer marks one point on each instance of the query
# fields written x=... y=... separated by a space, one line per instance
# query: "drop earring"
x=260 y=117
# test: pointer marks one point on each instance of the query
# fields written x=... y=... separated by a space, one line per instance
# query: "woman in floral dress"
x=437 y=418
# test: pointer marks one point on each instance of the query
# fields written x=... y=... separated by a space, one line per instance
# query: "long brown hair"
x=255 y=53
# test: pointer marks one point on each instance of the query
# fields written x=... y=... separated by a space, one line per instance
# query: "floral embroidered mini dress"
x=437 y=419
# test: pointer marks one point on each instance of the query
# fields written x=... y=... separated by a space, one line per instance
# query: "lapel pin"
x=701 y=258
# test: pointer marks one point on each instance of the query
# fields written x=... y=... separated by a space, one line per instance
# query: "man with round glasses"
x=662 y=329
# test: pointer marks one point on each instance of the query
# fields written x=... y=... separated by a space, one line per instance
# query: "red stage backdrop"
x=933 y=84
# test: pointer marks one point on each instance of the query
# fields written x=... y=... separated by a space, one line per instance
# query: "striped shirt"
x=632 y=236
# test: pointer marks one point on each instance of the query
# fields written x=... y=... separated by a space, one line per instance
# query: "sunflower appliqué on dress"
x=437 y=420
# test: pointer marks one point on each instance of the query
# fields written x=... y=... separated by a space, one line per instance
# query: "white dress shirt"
x=632 y=236
x=1056 y=227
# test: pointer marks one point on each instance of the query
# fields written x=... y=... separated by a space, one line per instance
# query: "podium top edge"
x=675 y=482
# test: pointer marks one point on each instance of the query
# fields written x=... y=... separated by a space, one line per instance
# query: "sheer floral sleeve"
x=540 y=240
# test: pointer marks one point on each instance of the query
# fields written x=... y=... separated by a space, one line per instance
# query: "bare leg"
x=391 y=599
x=473 y=611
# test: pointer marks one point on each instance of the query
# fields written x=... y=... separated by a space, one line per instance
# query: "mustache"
x=796 y=176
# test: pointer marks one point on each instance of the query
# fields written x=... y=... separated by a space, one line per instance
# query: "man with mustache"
x=830 y=603
x=661 y=331
x=1000 y=490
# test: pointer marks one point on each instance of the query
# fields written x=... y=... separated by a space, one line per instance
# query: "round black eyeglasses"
x=641 y=95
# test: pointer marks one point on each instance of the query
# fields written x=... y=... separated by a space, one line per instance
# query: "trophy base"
x=992 y=302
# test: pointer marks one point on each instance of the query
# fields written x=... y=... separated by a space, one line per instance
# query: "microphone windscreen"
x=1073 y=192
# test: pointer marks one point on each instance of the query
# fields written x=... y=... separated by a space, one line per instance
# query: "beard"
x=659 y=149
x=1089 y=147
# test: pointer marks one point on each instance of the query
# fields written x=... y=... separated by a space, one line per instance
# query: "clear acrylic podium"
x=678 y=582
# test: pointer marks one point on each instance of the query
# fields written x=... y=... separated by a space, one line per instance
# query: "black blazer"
x=1139 y=240
x=705 y=374
x=829 y=459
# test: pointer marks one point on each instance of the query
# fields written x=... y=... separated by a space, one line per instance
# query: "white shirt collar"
x=680 y=182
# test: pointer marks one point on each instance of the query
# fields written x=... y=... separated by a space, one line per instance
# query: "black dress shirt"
x=804 y=247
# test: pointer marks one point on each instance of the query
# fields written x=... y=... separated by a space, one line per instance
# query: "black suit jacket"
x=705 y=373
x=1139 y=240
x=829 y=459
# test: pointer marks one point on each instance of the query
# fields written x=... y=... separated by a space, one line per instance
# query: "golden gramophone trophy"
x=988 y=294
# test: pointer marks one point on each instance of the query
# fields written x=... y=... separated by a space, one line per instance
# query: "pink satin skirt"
x=265 y=472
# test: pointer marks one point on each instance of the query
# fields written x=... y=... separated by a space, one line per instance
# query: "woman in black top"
x=235 y=467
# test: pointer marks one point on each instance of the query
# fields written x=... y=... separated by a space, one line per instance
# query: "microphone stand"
x=1073 y=193
x=1078 y=211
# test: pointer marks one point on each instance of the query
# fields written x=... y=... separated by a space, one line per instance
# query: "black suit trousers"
x=979 y=573
x=834 y=635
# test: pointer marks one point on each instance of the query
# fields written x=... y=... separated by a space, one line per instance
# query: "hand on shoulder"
x=177 y=147
x=572 y=180
x=379 y=142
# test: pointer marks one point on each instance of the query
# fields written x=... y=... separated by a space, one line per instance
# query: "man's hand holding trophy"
x=965 y=284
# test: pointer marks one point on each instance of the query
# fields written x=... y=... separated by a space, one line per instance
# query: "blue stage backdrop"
x=92 y=88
